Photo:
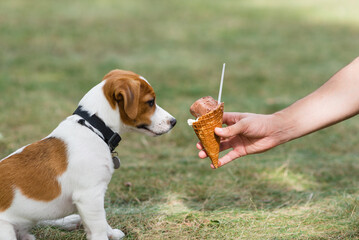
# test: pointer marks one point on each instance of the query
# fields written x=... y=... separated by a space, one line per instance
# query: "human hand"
x=246 y=133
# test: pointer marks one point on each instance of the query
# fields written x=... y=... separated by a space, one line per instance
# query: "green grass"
x=276 y=52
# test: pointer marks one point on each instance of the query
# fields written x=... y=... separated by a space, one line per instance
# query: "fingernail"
x=218 y=130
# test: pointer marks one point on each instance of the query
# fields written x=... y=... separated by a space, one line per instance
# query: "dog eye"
x=151 y=102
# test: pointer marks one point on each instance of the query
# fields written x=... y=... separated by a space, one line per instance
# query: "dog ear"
x=129 y=93
x=123 y=90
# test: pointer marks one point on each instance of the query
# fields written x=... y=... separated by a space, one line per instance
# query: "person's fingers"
x=231 y=118
x=229 y=131
x=228 y=158
x=199 y=146
x=202 y=154
x=225 y=144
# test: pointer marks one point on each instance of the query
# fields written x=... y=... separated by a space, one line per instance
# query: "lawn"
x=53 y=52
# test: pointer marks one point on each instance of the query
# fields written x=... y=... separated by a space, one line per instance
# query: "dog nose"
x=173 y=122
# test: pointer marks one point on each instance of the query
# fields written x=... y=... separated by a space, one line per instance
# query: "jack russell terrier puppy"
x=69 y=170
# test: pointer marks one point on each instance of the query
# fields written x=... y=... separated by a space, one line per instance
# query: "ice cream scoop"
x=202 y=106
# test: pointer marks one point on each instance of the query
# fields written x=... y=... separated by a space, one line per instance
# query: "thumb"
x=228 y=131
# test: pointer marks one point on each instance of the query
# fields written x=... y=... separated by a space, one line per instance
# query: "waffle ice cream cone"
x=204 y=128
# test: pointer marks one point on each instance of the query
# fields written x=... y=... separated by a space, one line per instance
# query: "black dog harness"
x=111 y=138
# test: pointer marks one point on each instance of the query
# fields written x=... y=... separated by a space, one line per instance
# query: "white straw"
x=220 y=86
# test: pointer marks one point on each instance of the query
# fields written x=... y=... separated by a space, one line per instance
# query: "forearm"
x=336 y=100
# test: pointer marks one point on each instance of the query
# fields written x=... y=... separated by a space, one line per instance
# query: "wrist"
x=284 y=127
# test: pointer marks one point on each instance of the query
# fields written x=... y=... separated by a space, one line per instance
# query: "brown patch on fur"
x=131 y=93
x=33 y=171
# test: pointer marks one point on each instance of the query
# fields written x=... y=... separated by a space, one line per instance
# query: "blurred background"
x=53 y=52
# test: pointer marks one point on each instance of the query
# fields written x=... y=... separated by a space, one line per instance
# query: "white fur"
x=160 y=121
x=145 y=80
x=69 y=223
x=85 y=180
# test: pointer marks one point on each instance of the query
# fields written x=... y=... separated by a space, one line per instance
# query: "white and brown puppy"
x=69 y=170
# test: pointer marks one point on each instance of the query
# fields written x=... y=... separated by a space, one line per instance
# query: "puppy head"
x=135 y=99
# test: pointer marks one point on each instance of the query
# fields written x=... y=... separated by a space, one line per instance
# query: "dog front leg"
x=7 y=231
x=90 y=205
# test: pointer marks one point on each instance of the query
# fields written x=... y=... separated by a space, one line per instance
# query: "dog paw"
x=116 y=235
